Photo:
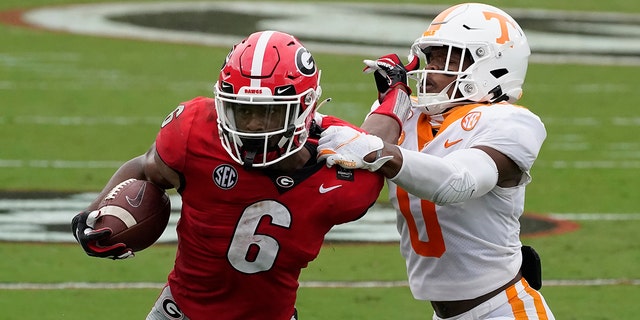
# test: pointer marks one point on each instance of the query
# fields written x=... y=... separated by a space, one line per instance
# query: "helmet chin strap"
x=290 y=130
x=249 y=155
x=249 y=149
x=249 y=158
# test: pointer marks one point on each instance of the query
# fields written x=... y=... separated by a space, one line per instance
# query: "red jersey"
x=244 y=235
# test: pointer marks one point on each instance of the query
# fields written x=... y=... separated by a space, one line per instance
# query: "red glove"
x=391 y=80
x=389 y=72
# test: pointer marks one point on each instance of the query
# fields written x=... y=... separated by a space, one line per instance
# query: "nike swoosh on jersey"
x=135 y=202
x=322 y=189
x=448 y=143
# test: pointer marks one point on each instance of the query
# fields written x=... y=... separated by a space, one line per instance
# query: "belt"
x=448 y=309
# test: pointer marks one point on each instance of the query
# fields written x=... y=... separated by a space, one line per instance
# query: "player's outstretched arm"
x=148 y=167
x=375 y=151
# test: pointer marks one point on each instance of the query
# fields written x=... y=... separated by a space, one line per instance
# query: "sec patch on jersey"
x=136 y=211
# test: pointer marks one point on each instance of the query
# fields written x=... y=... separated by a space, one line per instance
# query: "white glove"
x=347 y=148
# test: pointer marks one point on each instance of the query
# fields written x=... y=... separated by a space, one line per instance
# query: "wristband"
x=396 y=104
x=378 y=162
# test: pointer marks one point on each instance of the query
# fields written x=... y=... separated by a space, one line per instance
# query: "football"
x=136 y=211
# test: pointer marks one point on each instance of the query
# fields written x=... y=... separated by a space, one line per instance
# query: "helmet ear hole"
x=497 y=73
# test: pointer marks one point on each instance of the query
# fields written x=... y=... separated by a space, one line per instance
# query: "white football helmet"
x=499 y=52
x=266 y=96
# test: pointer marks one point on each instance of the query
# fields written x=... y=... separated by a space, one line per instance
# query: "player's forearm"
x=388 y=129
x=459 y=176
x=385 y=127
x=133 y=168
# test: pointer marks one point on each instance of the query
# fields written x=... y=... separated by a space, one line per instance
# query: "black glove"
x=82 y=227
x=389 y=72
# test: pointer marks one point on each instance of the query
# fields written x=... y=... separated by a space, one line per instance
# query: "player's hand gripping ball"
x=136 y=211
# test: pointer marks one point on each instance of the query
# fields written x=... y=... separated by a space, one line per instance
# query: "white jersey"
x=464 y=250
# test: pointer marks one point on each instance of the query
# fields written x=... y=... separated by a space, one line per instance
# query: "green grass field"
x=69 y=98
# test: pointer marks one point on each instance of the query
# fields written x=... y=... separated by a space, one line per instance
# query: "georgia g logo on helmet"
x=304 y=62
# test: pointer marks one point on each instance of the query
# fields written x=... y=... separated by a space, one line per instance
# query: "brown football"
x=136 y=211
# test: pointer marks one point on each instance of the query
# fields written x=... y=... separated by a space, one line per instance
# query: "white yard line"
x=303 y=284
x=60 y=164
x=113 y=164
x=596 y=216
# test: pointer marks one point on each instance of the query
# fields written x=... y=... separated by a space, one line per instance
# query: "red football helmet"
x=266 y=97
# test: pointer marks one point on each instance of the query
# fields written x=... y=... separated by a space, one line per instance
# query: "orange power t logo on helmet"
x=504 y=31
x=438 y=21
x=502 y=20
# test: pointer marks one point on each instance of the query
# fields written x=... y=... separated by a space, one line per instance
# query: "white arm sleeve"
x=459 y=176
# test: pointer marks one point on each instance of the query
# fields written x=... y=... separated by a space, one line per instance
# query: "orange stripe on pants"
x=517 y=305
x=537 y=300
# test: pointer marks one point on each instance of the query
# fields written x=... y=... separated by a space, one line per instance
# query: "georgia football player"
x=256 y=203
